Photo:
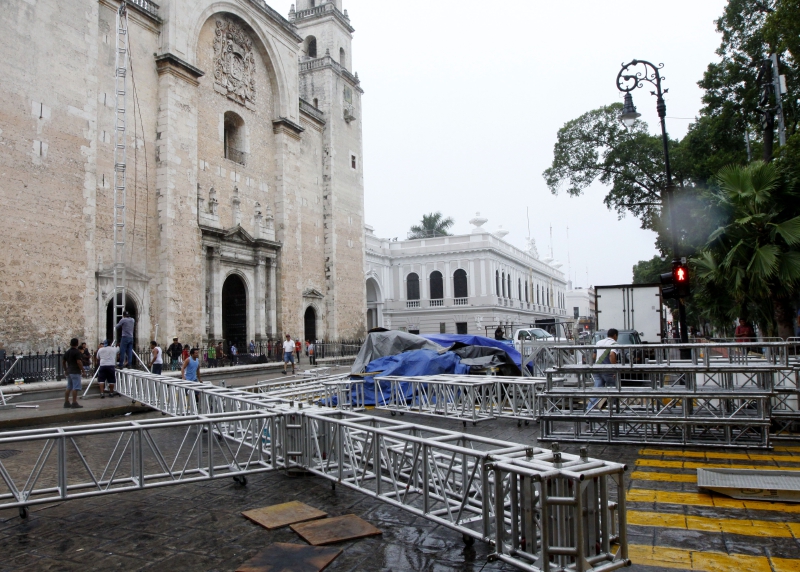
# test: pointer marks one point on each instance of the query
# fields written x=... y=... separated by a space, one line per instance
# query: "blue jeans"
x=600 y=380
x=126 y=350
x=73 y=382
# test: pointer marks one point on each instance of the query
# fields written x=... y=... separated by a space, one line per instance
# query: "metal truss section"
x=562 y=487
x=334 y=391
x=462 y=397
x=88 y=460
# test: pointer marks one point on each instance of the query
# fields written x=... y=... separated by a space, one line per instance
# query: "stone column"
x=272 y=304
x=216 y=295
x=260 y=306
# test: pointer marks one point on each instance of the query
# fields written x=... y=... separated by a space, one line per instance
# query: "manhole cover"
x=8 y=453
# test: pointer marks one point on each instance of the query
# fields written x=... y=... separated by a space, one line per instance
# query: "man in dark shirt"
x=73 y=366
x=174 y=350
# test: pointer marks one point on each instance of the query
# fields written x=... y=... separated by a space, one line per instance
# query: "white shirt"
x=288 y=347
x=107 y=355
x=159 y=355
x=602 y=355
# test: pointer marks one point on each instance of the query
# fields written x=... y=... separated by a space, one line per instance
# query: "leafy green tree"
x=650 y=271
x=753 y=258
x=433 y=224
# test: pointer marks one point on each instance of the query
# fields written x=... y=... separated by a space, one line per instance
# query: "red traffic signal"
x=680 y=274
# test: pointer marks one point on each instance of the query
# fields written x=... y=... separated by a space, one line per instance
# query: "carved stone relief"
x=234 y=63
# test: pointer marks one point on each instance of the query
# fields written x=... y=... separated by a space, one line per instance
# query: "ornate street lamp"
x=632 y=76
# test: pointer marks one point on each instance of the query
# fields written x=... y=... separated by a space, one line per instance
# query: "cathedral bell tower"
x=328 y=84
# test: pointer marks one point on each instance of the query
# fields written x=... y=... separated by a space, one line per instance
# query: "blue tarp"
x=448 y=340
x=417 y=362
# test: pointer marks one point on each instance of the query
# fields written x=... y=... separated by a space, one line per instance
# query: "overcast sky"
x=464 y=100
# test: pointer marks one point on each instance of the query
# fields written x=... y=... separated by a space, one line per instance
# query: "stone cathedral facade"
x=244 y=171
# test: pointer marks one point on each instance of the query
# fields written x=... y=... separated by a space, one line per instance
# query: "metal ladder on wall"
x=120 y=162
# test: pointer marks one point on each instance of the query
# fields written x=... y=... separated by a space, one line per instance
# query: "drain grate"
x=8 y=453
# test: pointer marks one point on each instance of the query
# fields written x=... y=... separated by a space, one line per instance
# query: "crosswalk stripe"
x=703 y=523
x=718 y=455
x=700 y=465
x=668 y=477
x=700 y=499
x=788 y=449
x=667 y=557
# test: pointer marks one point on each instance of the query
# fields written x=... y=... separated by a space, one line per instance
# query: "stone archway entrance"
x=130 y=306
x=374 y=305
x=310 y=324
x=234 y=312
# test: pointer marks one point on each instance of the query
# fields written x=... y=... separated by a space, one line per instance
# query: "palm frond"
x=764 y=263
x=789 y=230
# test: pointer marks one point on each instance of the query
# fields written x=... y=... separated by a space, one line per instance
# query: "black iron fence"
x=49 y=366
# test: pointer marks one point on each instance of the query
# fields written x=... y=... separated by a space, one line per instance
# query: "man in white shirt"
x=288 y=353
x=605 y=355
x=106 y=359
x=156 y=358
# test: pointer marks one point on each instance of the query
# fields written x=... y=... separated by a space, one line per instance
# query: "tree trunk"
x=784 y=316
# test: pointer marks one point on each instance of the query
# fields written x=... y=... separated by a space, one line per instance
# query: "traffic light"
x=680 y=278
x=675 y=284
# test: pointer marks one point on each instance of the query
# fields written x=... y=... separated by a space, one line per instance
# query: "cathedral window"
x=353 y=162
x=460 y=284
x=342 y=58
x=234 y=138
x=437 y=285
x=412 y=287
x=316 y=103
x=311 y=46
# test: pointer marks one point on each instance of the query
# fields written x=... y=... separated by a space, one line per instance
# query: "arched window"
x=437 y=285
x=412 y=287
x=497 y=281
x=311 y=47
x=526 y=292
x=460 y=284
x=234 y=138
x=342 y=60
x=504 y=284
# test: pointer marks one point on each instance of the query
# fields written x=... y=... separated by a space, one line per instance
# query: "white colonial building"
x=582 y=308
x=466 y=284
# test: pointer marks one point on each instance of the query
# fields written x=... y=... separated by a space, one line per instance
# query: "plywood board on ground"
x=281 y=557
x=276 y=516
x=338 y=529
x=753 y=484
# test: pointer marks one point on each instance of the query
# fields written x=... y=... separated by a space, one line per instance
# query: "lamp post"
x=631 y=76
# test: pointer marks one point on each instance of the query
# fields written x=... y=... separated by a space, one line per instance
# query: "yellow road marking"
x=732 y=526
x=700 y=499
x=717 y=455
x=700 y=465
x=788 y=449
x=667 y=557
x=669 y=477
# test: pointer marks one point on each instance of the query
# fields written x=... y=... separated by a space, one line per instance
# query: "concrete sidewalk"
x=52 y=411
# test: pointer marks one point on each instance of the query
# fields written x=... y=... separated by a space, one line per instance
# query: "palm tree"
x=753 y=260
x=432 y=225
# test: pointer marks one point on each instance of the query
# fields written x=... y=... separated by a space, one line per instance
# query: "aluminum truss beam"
x=446 y=477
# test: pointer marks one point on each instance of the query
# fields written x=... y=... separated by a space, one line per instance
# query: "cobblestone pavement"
x=672 y=525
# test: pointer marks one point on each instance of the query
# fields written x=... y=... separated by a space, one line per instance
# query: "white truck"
x=631 y=307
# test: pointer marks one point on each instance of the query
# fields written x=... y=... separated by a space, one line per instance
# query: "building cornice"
x=285 y=25
x=171 y=64
x=287 y=126
x=327 y=62
x=327 y=10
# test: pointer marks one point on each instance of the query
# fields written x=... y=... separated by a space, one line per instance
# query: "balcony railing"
x=435 y=303
x=412 y=304
x=236 y=156
x=147 y=6
x=460 y=301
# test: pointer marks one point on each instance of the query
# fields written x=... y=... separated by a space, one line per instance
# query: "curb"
x=70 y=416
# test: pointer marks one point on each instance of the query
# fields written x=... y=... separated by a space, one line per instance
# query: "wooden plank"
x=276 y=516
x=281 y=557
x=338 y=529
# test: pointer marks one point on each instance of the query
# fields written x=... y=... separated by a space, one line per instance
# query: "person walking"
x=234 y=353
x=252 y=348
x=212 y=355
x=311 y=358
x=174 y=352
x=73 y=365
x=106 y=359
x=297 y=347
x=288 y=353
x=190 y=370
x=220 y=354
x=86 y=359
x=605 y=357
x=185 y=353
x=125 y=328
x=156 y=358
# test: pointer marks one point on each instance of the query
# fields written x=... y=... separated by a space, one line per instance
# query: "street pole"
x=627 y=82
